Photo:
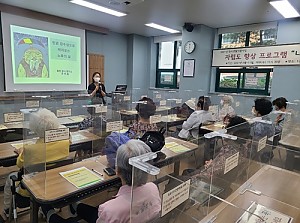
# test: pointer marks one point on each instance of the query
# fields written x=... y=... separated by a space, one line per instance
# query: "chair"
x=13 y=134
x=17 y=199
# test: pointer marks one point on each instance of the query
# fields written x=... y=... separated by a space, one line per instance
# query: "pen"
x=97 y=172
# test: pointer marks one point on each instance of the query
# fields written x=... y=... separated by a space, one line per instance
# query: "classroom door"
x=96 y=64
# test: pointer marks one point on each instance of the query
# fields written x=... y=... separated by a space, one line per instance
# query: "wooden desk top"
x=62 y=121
x=169 y=154
x=134 y=112
x=213 y=127
x=280 y=190
x=81 y=136
x=172 y=118
x=51 y=186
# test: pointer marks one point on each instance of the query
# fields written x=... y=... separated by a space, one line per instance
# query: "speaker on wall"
x=188 y=27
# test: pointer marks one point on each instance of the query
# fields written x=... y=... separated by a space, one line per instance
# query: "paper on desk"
x=76 y=119
x=3 y=127
x=81 y=177
x=175 y=147
x=269 y=216
x=20 y=145
x=78 y=137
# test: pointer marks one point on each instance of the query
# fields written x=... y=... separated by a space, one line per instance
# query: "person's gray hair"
x=43 y=120
x=131 y=149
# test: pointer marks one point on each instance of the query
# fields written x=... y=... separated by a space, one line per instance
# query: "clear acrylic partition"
x=232 y=187
x=252 y=188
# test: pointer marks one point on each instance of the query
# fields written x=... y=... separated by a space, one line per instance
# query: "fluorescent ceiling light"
x=163 y=28
x=98 y=7
x=285 y=8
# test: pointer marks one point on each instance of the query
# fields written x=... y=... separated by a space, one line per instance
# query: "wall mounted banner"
x=279 y=55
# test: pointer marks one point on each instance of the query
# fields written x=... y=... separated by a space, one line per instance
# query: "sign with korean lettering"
x=253 y=81
x=126 y=98
x=175 y=197
x=67 y=101
x=178 y=101
x=114 y=126
x=32 y=104
x=279 y=55
x=64 y=112
x=57 y=135
x=262 y=143
x=158 y=96
x=163 y=103
x=100 y=109
x=155 y=119
x=14 y=117
x=231 y=162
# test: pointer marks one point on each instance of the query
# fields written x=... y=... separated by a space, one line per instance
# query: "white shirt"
x=193 y=122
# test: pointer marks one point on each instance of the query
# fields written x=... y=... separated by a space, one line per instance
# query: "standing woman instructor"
x=97 y=90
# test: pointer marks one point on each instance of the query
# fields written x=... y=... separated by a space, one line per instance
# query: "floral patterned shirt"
x=137 y=129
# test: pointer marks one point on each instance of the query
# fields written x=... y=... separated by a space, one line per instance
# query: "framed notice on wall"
x=189 y=67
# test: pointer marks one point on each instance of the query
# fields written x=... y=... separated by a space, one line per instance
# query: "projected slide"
x=41 y=57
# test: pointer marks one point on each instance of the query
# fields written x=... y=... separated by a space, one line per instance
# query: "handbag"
x=154 y=139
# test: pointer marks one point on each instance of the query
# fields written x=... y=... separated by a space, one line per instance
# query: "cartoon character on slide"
x=32 y=64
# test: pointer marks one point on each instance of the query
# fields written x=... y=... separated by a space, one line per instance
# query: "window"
x=250 y=80
x=264 y=37
x=232 y=40
x=244 y=80
x=168 y=64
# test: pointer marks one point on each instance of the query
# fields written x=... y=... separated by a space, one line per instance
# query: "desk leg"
x=290 y=160
x=34 y=208
x=176 y=168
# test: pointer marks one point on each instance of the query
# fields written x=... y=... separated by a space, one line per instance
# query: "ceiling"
x=170 y=13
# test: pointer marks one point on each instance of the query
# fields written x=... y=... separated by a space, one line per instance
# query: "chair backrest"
x=13 y=134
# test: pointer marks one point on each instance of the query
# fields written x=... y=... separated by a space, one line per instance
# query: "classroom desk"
x=71 y=120
x=214 y=126
x=55 y=190
x=7 y=154
x=51 y=188
x=170 y=156
x=272 y=182
x=176 y=157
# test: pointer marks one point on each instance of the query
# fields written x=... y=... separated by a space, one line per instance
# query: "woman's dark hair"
x=146 y=109
x=204 y=103
x=280 y=102
x=239 y=127
x=263 y=106
x=94 y=74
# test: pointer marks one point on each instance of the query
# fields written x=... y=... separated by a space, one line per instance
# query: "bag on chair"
x=154 y=139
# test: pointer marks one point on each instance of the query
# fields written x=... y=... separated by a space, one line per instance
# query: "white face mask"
x=97 y=79
x=254 y=111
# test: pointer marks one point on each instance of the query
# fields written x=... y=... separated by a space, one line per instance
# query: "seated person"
x=260 y=129
x=200 y=116
x=146 y=204
x=186 y=109
x=145 y=109
x=97 y=122
x=260 y=110
x=239 y=127
x=280 y=104
x=226 y=108
x=37 y=153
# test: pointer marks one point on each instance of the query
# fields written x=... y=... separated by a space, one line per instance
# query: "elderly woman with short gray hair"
x=38 y=153
x=145 y=202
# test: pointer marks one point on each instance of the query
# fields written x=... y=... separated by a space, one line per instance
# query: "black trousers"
x=84 y=211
